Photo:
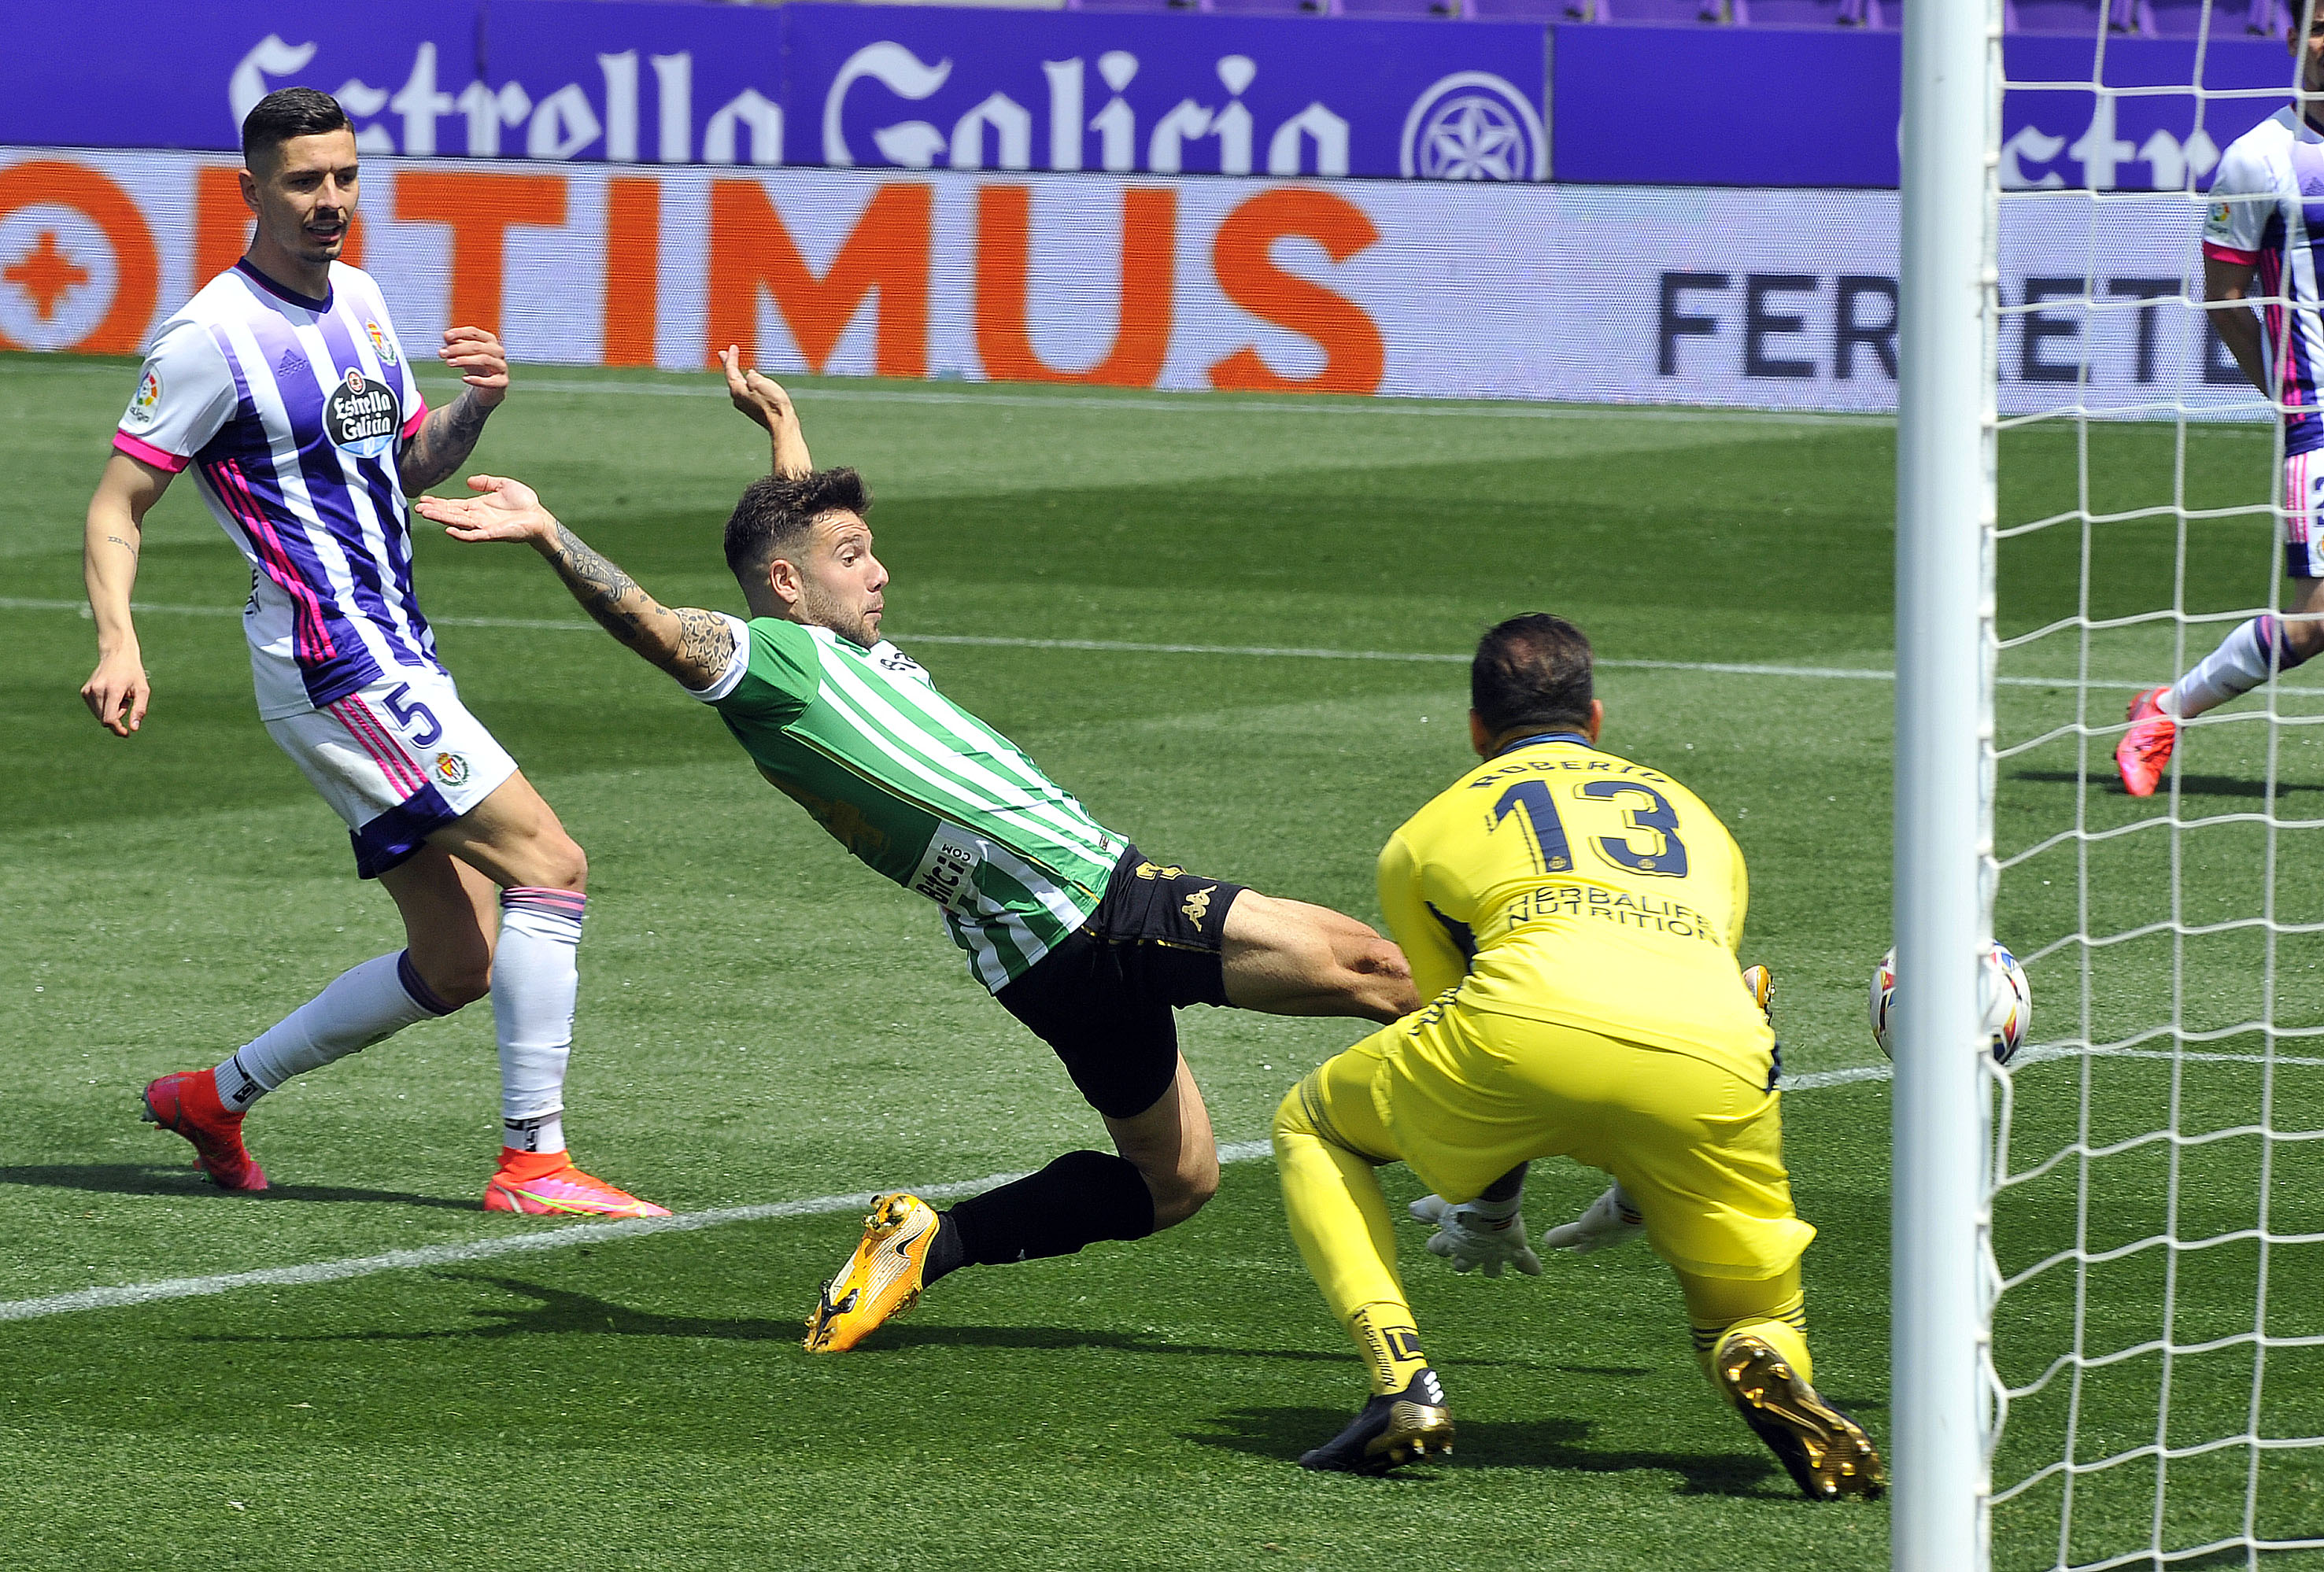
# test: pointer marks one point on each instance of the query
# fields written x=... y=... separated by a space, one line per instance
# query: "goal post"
x=1945 y=457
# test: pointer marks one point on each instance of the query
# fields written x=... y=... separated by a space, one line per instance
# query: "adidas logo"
x=291 y=365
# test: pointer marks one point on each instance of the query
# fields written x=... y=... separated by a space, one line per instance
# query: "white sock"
x=534 y=981
x=2244 y=658
x=362 y=1007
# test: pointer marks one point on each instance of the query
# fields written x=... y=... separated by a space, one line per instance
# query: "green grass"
x=761 y=1020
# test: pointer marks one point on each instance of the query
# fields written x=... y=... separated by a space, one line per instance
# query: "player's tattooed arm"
x=445 y=438
x=763 y=399
x=443 y=443
x=696 y=646
x=117 y=691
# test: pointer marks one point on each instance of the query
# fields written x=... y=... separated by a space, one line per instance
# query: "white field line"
x=120 y=1295
x=1251 y=651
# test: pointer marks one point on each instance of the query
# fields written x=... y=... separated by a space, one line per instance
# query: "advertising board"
x=1589 y=294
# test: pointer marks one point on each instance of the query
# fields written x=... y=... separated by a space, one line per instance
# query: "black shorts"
x=1102 y=998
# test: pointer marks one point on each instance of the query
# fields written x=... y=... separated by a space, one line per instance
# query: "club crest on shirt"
x=382 y=344
x=451 y=769
x=362 y=416
x=148 y=398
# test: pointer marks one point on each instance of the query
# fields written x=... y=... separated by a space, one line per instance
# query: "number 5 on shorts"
x=410 y=713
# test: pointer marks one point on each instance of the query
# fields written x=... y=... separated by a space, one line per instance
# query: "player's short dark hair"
x=776 y=512
x=284 y=114
x=1532 y=670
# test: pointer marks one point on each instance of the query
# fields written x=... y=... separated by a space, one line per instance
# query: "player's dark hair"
x=1531 y=671
x=288 y=112
x=776 y=512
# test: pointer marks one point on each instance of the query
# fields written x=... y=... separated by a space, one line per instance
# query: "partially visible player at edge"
x=1076 y=933
x=2257 y=229
x=1574 y=916
x=282 y=385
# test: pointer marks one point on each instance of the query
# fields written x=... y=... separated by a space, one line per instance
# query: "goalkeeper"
x=1574 y=916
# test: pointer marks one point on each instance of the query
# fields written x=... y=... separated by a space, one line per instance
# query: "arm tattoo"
x=125 y=545
x=690 y=644
x=443 y=443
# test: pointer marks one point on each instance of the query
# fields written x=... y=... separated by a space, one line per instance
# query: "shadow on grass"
x=155 y=1179
x=560 y=1311
x=2190 y=786
x=1550 y=1443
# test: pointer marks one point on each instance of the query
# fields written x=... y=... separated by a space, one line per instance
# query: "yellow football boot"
x=1827 y=1452
x=882 y=1279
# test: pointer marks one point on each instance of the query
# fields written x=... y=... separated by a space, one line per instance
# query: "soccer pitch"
x=1132 y=588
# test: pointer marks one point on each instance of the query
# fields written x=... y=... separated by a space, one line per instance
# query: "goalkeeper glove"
x=1611 y=1219
x=1470 y=1236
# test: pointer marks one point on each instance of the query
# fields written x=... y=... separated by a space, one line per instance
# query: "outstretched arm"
x=764 y=402
x=693 y=645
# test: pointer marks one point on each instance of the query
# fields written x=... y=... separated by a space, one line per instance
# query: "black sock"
x=1079 y=1198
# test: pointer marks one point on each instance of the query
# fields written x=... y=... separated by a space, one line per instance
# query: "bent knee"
x=464 y=989
x=1182 y=1196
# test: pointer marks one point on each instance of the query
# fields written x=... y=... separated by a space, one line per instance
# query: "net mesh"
x=2155 y=1222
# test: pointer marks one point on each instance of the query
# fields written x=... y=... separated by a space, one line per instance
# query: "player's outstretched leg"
x=187 y=1103
x=2144 y=751
x=1328 y=1144
x=1167 y=1168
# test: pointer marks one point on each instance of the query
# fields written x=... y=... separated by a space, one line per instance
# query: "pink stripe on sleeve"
x=137 y=448
x=420 y=414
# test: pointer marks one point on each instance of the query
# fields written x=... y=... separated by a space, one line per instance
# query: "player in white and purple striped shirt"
x=283 y=388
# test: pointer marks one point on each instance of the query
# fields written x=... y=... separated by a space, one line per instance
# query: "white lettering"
x=488 y=111
x=1186 y=123
x=901 y=72
x=563 y=123
x=271 y=57
x=421 y=105
x=1116 y=124
x=361 y=100
x=2100 y=152
x=673 y=83
x=1013 y=127
x=1327 y=130
x=620 y=73
x=2030 y=142
x=1232 y=124
x=761 y=114
x=1064 y=113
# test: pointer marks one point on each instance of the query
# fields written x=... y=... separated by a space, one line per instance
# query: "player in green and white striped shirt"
x=1081 y=938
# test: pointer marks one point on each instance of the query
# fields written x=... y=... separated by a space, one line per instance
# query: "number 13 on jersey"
x=1649 y=843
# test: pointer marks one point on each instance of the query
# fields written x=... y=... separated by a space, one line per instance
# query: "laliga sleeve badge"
x=148 y=398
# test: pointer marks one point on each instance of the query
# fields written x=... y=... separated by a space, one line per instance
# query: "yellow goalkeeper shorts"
x=1463 y=1097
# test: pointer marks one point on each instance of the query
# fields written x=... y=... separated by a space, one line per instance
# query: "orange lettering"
x=1141 y=341
x=479 y=209
x=887 y=252
x=137 y=266
x=1354 y=356
x=632 y=269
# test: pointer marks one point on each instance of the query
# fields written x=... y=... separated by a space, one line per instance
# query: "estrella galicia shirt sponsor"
x=289 y=411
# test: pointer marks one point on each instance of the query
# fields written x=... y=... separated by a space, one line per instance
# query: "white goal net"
x=2154 y=1238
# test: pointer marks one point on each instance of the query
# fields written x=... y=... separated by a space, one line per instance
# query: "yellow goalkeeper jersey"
x=1561 y=883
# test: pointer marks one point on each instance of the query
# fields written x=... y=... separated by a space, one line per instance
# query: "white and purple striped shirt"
x=290 y=412
x=2267 y=211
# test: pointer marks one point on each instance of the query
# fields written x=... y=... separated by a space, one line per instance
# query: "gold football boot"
x=1827 y=1452
x=882 y=1279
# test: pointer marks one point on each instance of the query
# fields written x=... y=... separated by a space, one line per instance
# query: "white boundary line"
x=1250 y=651
x=121 y=1295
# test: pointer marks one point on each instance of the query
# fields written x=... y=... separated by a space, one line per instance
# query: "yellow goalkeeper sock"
x=1772 y=1308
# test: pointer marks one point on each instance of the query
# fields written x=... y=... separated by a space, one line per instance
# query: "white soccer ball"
x=2009 y=1002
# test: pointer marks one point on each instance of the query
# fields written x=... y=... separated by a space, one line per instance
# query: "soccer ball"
x=2009 y=1002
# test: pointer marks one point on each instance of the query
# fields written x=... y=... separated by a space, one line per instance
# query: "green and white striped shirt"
x=919 y=788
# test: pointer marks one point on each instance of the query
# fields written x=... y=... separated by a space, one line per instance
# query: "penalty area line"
x=121 y=1296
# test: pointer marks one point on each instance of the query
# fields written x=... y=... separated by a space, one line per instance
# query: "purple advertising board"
x=672 y=81
x=1730 y=107
x=891 y=86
